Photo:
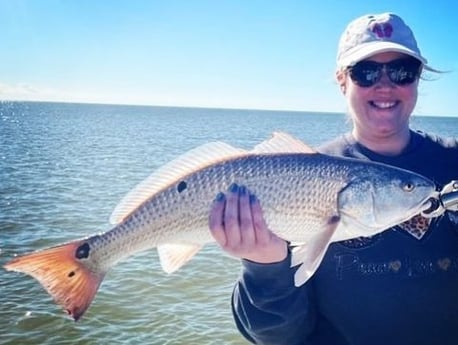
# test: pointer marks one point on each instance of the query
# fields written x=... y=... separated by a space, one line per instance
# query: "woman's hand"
x=237 y=224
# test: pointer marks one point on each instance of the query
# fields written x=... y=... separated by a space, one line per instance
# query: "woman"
x=398 y=287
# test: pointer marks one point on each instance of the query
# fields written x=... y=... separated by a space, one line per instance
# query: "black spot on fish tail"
x=71 y=274
x=333 y=220
x=181 y=186
x=82 y=252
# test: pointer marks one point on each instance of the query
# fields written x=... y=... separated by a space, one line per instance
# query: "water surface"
x=64 y=167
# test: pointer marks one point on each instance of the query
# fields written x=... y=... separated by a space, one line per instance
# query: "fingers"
x=261 y=232
x=237 y=224
x=216 y=220
x=231 y=222
x=247 y=233
x=231 y=217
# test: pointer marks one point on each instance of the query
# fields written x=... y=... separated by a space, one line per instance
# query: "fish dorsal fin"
x=282 y=142
x=190 y=161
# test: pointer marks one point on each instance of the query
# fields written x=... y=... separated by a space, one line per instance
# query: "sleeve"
x=268 y=308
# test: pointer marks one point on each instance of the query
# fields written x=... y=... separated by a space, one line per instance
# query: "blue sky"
x=211 y=53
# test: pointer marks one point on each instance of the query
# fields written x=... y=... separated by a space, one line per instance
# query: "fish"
x=308 y=198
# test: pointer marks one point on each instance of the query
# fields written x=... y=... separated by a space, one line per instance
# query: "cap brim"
x=367 y=50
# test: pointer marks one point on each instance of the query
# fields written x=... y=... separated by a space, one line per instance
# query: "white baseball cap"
x=377 y=33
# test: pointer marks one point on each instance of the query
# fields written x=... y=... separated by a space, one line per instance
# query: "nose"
x=384 y=80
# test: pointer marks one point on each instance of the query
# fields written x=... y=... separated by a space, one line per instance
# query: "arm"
x=267 y=307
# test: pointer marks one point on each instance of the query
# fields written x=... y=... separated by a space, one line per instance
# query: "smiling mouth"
x=383 y=105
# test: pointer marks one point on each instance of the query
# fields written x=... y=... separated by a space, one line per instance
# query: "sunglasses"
x=403 y=71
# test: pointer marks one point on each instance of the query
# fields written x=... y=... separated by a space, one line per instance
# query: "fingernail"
x=242 y=190
x=233 y=188
x=253 y=199
x=220 y=197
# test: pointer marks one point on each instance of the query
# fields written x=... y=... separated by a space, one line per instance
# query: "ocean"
x=63 y=169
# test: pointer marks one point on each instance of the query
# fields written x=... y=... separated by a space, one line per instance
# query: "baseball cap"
x=377 y=33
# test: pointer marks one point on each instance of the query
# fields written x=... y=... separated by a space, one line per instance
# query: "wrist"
x=269 y=254
x=275 y=275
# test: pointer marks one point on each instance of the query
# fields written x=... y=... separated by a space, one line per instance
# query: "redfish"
x=302 y=193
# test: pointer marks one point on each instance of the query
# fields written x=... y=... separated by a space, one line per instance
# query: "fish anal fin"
x=309 y=255
x=282 y=142
x=67 y=280
x=174 y=255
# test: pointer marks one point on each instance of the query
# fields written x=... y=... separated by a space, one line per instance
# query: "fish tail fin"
x=71 y=284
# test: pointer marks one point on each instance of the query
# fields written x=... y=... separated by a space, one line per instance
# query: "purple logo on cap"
x=382 y=30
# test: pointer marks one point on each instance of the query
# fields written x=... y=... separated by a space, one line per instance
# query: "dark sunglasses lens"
x=365 y=73
x=403 y=71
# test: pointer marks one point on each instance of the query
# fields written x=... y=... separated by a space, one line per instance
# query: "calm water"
x=64 y=167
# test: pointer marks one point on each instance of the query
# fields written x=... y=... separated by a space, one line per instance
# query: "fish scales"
x=296 y=190
x=302 y=194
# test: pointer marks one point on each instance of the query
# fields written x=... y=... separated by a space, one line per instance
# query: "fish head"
x=381 y=198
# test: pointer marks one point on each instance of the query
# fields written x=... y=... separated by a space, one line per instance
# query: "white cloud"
x=30 y=92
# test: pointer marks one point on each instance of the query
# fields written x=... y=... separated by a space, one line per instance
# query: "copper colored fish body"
x=301 y=192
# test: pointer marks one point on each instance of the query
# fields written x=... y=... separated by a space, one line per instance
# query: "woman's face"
x=382 y=110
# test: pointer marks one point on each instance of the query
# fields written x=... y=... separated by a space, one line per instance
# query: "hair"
x=431 y=75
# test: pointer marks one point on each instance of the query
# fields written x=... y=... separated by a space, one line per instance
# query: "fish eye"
x=408 y=187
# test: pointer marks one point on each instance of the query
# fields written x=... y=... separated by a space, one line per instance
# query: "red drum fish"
x=302 y=192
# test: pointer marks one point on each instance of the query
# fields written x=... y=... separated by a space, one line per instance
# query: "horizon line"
x=2 y=101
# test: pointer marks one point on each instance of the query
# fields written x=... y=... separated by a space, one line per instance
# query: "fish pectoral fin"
x=174 y=255
x=309 y=255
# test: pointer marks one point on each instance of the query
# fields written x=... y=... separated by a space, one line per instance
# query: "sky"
x=253 y=54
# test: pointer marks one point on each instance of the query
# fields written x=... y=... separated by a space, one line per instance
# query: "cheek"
x=409 y=95
x=356 y=96
x=414 y=92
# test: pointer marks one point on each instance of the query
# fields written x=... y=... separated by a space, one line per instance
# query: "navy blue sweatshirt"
x=396 y=287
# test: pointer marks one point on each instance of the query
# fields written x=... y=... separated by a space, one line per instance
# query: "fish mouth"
x=431 y=206
x=428 y=205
